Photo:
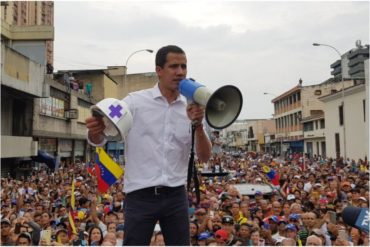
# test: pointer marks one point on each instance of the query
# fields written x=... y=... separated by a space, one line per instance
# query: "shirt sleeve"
x=95 y=144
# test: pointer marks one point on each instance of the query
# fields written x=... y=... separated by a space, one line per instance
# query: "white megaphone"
x=222 y=107
x=116 y=116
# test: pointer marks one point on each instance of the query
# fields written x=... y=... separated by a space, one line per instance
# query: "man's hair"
x=289 y=241
x=161 y=56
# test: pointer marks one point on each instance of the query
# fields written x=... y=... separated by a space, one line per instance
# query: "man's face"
x=173 y=71
x=45 y=219
x=23 y=242
x=5 y=229
x=244 y=231
x=310 y=219
x=291 y=234
x=276 y=207
x=235 y=208
x=229 y=227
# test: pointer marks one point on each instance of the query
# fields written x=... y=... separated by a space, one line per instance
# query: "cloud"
x=257 y=46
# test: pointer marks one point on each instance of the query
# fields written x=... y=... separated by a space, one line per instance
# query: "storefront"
x=79 y=151
x=48 y=145
x=116 y=150
x=65 y=150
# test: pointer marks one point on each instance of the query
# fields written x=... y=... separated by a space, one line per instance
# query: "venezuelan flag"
x=72 y=223
x=73 y=200
x=271 y=174
x=107 y=171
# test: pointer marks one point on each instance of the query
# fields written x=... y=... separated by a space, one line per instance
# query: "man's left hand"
x=195 y=113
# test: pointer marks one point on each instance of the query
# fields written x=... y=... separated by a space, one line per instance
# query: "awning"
x=44 y=157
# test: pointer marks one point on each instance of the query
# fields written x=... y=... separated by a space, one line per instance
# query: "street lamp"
x=281 y=139
x=344 y=120
x=266 y=93
x=147 y=50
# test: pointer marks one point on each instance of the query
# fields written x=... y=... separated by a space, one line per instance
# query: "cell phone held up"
x=332 y=217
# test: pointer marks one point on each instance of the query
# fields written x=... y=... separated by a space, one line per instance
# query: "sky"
x=254 y=45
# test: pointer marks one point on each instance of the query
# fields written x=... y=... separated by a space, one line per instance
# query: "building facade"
x=347 y=126
x=296 y=110
x=351 y=65
x=26 y=16
x=248 y=135
x=23 y=79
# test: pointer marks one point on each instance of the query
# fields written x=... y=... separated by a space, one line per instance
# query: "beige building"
x=131 y=82
x=24 y=18
x=23 y=59
x=295 y=111
x=248 y=135
x=347 y=128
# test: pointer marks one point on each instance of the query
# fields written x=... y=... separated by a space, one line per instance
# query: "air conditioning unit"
x=71 y=113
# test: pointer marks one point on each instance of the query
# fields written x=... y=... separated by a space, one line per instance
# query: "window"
x=316 y=125
x=337 y=144
x=340 y=115
x=55 y=104
x=318 y=92
x=308 y=126
x=364 y=109
x=322 y=124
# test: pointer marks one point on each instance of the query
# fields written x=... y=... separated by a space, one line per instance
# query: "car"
x=250 y=189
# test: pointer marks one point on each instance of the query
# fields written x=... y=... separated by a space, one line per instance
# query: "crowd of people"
x=303 y=210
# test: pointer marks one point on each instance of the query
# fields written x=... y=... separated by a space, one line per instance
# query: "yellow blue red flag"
x=107 y=171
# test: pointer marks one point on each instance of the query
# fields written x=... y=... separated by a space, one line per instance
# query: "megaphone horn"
x=222 y=107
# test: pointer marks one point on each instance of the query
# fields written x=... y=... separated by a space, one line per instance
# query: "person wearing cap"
x=311 y=181
x=222 y=237
x=291 y=231
x=258 y=196
x=290 y=198
x=228 y=226
x=202 y=238
x=155 y=179
x=280 y=234
x=6 y=233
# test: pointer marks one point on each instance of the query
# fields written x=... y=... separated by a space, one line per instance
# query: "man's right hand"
x=96 y=126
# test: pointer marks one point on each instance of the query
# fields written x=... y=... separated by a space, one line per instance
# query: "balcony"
x=21 y=73
x=38 y=32
x=18 y=146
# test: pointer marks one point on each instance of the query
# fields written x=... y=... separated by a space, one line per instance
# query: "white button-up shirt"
x=158 y=144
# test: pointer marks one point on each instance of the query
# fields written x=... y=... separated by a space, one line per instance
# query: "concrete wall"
x=6 y=114
x=355 y=126
x=310 y=101
x=34 y=50
x=110 y=88
x=136 y=82
x=21 y=73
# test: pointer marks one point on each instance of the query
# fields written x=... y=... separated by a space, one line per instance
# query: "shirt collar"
x=157 y=94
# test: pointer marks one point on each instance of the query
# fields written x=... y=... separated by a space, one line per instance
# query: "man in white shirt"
x=157 y=152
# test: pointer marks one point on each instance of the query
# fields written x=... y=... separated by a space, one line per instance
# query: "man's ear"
x=158 y=70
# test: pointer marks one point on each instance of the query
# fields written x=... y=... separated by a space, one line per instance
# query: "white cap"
x=116 y=116
x=291 y=197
